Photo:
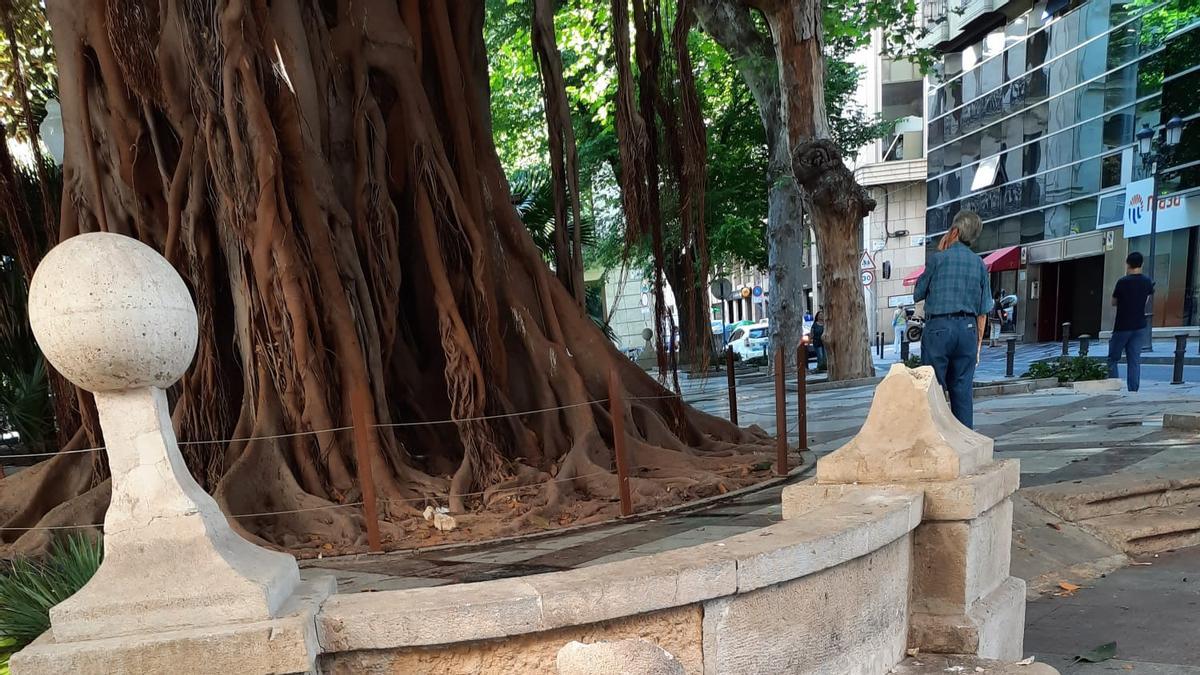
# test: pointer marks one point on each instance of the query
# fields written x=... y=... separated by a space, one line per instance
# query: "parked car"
x=750 y=341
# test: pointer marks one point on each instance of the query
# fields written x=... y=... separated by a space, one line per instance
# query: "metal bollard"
x=802 y=395
x=729 y=377
x=1010 y=356
x=1180 y=348
x=904 y=348
x=1066 y=339
x=1085 y=342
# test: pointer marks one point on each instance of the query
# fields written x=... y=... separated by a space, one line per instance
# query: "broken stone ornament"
x=114 y=317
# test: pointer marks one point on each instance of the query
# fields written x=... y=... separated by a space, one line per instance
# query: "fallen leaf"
x=914 y=651
x=1128 y=666
x=539 y=521
x=979 y=669
x=721 y=487
x=1100 y=654
x=1054 y=525
x=1027 y=662
x=1068 y=587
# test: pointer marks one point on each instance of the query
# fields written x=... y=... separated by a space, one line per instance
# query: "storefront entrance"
x=1071 y=291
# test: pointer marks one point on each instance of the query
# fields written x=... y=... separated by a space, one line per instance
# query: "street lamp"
x=1150 y=158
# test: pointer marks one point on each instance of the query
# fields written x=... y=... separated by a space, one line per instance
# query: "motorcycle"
x=914 y=326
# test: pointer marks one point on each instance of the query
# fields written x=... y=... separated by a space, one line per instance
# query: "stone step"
x=931 y=664
x=1151 y=530
x=1119 y=493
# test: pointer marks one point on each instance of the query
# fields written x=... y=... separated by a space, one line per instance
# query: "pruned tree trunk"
x=323 y=176
x=837 y=202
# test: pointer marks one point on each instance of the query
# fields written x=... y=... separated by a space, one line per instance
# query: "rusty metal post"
x=366 y=481
x=732 y=381
x=802 y=395
x=616 y=408
x=781 y=431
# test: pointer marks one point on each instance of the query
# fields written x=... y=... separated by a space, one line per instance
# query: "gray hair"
x=969 y=226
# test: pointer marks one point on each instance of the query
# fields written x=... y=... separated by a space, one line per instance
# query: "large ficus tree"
x=323 y=176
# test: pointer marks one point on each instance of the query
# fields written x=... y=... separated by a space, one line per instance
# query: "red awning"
x=1000 y=260
x=1003 y=259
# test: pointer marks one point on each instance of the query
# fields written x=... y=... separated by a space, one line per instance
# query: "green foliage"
x=29 y=588
x=913 y=362
x=532 y=194
x=756 y=361
x=36 y=51
x=850 y=23
x=1075 y=369
x=24 y=391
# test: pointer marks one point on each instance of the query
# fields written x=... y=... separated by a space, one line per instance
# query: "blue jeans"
x=951 y=346
x=1130 y=342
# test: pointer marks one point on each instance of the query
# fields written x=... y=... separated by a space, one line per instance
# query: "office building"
x=1032 y=112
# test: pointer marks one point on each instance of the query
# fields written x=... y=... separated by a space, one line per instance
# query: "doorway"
x=1072 y=291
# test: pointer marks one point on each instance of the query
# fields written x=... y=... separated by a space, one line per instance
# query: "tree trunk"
x=692 y=310
x=323 y=176
x=838 y=203
x=785 y=255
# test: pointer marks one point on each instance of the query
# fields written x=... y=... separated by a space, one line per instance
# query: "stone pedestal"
x=963 y=599
x=177 y=582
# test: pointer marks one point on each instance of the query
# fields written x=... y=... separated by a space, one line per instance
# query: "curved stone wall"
x=823 y=592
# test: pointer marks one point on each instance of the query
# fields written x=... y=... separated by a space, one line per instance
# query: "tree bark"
x=731 y=25
x=836 y=202
x=323 y=177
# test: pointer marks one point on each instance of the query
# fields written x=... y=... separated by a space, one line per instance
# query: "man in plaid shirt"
x=958 y=295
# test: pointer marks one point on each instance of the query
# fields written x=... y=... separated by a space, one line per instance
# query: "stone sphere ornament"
x=110 y=314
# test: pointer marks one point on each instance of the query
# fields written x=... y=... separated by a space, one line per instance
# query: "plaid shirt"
x=955 y=281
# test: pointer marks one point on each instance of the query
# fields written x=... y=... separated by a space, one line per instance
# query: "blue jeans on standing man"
x=951 y=345
x=1130 y=342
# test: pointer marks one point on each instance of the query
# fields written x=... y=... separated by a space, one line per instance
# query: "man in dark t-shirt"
x=1129 y=297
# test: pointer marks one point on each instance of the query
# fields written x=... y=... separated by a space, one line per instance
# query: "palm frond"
x=29 y=588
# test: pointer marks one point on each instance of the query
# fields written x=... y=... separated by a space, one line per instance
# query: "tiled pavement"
x=1057 y=434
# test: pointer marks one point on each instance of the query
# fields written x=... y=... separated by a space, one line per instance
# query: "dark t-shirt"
x=1131 y=293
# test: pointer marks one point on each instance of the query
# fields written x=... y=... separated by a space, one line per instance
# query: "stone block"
x=939 y=664
x=626 y=587
x=847 y=619
x=957 y=562
x=955 y=499
x=637 y=657
x=430 y=616
x=853 y=526
x=909 y=435
x=1182 y=421
x=993 y=627
x=1097 y=386
x=286 y=644
x=1118 y=493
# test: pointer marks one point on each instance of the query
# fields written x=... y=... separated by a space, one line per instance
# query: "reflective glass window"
x=1111 y=209
x=1058 y=221
x=1110 y=170
x=1118 y=129
x=1035 y=50
x=1179 y=96
x=1083 y=215
x=1183 y=52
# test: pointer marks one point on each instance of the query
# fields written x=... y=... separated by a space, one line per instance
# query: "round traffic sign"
x=868 y=277
x=721 y=288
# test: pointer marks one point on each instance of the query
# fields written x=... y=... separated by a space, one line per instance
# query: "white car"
x=750 y=341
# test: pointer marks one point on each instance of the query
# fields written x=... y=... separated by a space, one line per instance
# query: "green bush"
x=1074 y=369
x=913 y=362
x=29 y=588
x=756 y=361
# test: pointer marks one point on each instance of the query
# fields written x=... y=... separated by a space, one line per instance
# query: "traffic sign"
x=758 y=291
x=868 y=277
x=866 y=263
x=721 y=288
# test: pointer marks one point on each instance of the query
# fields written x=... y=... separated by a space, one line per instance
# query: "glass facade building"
x=1032 y=123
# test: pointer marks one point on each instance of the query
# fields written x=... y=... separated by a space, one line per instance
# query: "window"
x=985 y=174
x=901 y=99
x=1112 y=209
x=1110 y=170
x=758 y=333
